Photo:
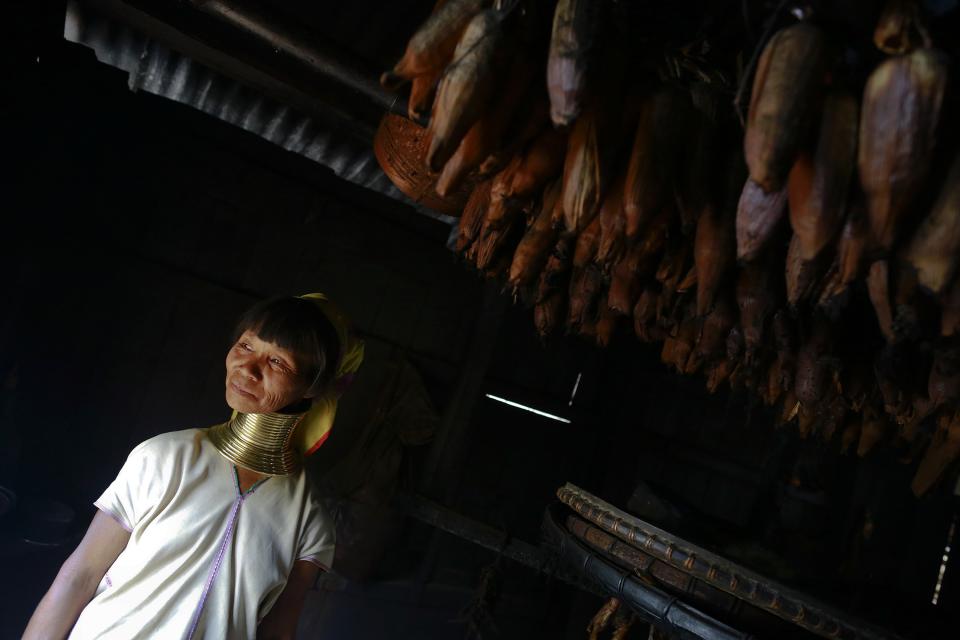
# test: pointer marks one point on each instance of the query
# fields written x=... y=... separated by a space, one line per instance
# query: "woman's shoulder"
x=186 y=441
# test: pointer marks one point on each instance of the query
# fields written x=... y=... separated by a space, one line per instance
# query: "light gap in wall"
x=528 y=408
x=576 y=386
x=944 y=561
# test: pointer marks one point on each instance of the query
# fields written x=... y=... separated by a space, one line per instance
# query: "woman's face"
x=262 y=377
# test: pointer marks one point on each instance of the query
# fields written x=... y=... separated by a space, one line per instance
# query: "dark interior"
x=137 y=228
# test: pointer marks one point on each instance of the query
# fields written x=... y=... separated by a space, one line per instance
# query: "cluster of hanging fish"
x=753 y=260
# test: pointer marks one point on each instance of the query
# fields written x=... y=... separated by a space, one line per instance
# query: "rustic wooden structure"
x=699 y=573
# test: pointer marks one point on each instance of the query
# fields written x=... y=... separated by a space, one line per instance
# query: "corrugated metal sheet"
x=161 y=71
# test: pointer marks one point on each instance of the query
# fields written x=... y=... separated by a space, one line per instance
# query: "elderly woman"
x=214 y=533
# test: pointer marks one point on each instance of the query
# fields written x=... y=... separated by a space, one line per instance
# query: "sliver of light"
x=944 y=561
x=526 y=408
x=576 y=386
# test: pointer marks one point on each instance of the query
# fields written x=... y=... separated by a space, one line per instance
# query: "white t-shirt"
x=203 y=561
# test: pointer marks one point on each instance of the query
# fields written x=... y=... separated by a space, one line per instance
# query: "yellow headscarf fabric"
x=317 y=423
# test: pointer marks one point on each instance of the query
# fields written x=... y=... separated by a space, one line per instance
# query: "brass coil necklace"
x=260 y=442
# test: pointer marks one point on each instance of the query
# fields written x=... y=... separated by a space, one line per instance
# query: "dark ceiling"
x=188 y=55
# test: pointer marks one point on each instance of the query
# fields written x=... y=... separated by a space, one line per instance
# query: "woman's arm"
x=281 y=622
x=78 y=578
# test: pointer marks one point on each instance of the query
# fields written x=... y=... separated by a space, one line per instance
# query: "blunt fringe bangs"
x=298 y=326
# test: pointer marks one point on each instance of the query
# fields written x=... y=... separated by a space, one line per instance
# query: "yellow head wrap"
x=316 y=425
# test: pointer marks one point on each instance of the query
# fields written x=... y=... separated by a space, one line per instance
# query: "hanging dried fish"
x=606 y=322
x=585 y=170
x=499 y=265
x=486 y=135
x=785 y=346
x=612 y=227
x=493 y=249
x=848 y=263
x=685 y=359
x=586 y=329
x=534 y=249
x=898 y=29
x=625 y=282
x=689 y=282
x=549 y=313
x=643 y=191
x=790 y=408
x=623 y=621
x=489 y=248
x=432 y=46
x=712 y=343
x=470 y=152
x=423 y=89
x=667 y=356
x=575 y=24
x=695 y=190
x=714 y=254
x=503 y=207
x=542 y=162
x=586 y=247
x=718 y=372
x=907 y=323
x=585 y=287
x=694 y=362
x=551 y=300
x=532 y=119
x=878 y=286
x=806 y=421
x=818 y=182
x=756 y=301
x=814 y=370
x=851 y=433
x=601 y=619
x=901 y=109
x=935 y=247
x=816 y=384
x=950 y=310
x=857 y=382
x=644 y=315
x=466 y=87
x=943 y=387
x=803 y=276
x=654 y=239
x=786 y=87
x=886 y=370
x=654 y=157
x=832 y=414
x=919 y=411
x=758 y=215
x=501 y=214
x=473 y=215
x=773 y=389
x=675 y=263
x=944 y=448
x=872 y=430
x=556 y=274
x=669 y=311
x=735 y=352
x=736 y=344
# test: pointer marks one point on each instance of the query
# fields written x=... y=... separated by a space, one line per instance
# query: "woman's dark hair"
x=300 y=327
